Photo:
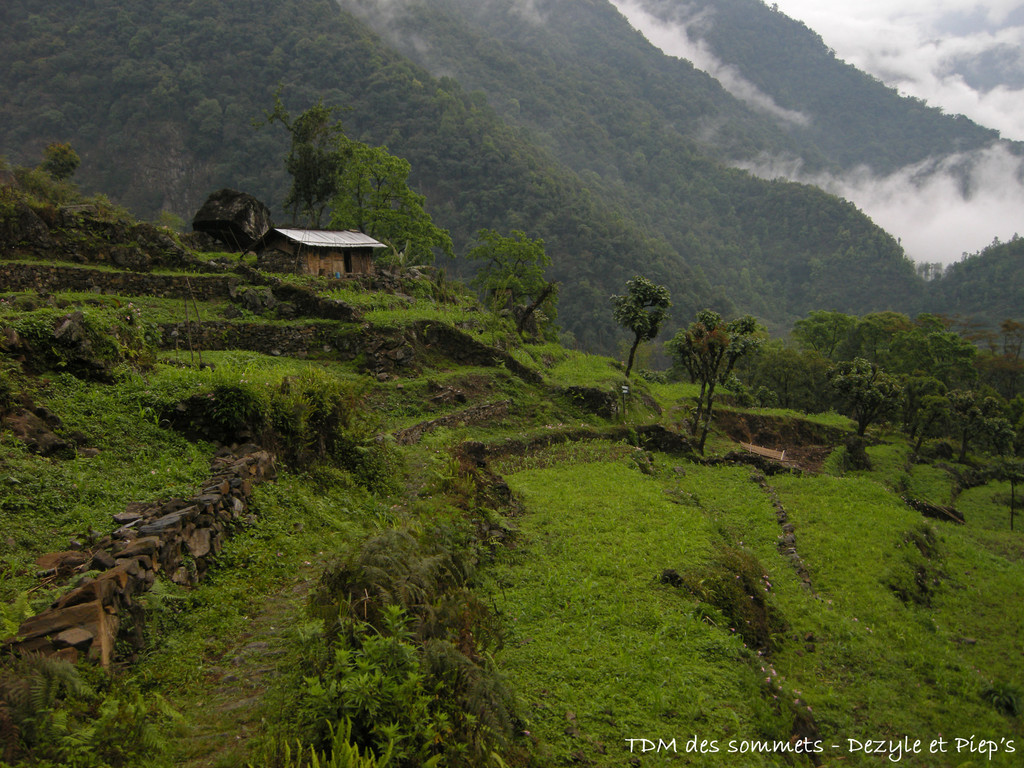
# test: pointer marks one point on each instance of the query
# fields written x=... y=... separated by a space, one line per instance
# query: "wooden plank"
x=766 y=452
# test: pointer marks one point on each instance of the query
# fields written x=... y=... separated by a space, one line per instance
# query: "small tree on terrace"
x=641 y=310
x=979 y=419
x=60 y=160
x=512 y=275
x=373 y=196
x=1012 y=471
x=708 y=350
x=868 y=393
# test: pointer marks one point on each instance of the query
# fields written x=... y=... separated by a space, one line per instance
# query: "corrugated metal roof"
x=327 y=238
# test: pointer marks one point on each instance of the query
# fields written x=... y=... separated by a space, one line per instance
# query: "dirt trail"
x=227 y=714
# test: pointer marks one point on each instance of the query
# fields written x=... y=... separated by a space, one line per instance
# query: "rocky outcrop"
x=35 y=428
x=176 y=539
x=234 y=218
x=462 y=348
x=22 y=228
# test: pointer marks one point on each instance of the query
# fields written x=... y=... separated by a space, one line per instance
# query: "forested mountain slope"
x=619 y=168
x=988 y=287
x=852 y=118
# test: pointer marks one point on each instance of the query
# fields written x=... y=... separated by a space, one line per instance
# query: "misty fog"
x=939 y=209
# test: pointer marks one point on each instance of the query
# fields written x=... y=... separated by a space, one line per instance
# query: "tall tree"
x=916 y=390
x=1011 y=470
x=512 y=275
x=373 y=196
x=824 y=332
x=318 y=154
x=868 y=393
x=708 y=349
x=798 y=378
x=641 y=310
x=979 y=419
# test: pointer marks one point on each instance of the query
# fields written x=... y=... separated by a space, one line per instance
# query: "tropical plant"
x=708 y=350
x=641 y=310
x=512 y=275
x=318 y=154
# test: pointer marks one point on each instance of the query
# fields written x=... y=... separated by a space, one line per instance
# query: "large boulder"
x=234 y=218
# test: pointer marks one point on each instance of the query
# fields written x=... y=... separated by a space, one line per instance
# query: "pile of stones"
x=176 y=539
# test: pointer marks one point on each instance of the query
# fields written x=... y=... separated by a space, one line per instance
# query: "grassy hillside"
x=619 y=169
x=470 y=554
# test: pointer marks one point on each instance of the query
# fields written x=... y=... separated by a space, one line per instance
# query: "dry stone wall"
x=176 y=539
x=51 y=278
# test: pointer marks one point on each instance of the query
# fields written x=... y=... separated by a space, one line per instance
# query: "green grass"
x=581 y=369
x=881 y=665
x=45 y=502
x=930 y=483
x=108 y=268
x=596 y=642
x=593 y=634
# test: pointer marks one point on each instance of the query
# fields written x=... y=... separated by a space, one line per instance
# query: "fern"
x=12 y=616
x=30 y=690
x=341 y=753
x=10 y=734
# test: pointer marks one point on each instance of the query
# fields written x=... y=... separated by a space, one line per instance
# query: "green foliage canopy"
x=318 y=154
x=708 y=350
x=512 y=273
x=60 y=160
x=868 y=393
x=641 y=310
x=374 y=197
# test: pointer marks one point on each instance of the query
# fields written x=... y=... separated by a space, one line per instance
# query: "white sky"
x=916 y=46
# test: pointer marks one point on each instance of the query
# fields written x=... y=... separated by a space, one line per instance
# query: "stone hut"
x=317 y=252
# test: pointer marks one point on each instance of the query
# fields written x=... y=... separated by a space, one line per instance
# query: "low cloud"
x=674 y=39
x=960 y=55
x=939 y=209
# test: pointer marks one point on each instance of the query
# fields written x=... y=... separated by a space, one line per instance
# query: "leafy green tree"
x=824 y=332
x=60 y=160
x=1012 y=471
x=868 y=393
x=708 y=349
x=873 y=335
x=915 y=390
x=641 y=310
x=1004 y=369
x=979 y=419
x=512 y=275
x=798 y=378
x=318 y=154
x=928 y=349
x=373 y=196
x=932 y=418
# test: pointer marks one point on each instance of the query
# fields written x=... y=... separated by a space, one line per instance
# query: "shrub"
x=736 y=584
x=49 y=713
x=1005 y=697
x=399 y=609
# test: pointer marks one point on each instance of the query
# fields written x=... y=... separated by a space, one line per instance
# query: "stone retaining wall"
x=177 y=539
x=289 y=340
x=486 y=412
x=19 y=276
x=387 y=351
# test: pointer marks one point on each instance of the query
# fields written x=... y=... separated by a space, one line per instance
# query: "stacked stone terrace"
x=177 y=538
